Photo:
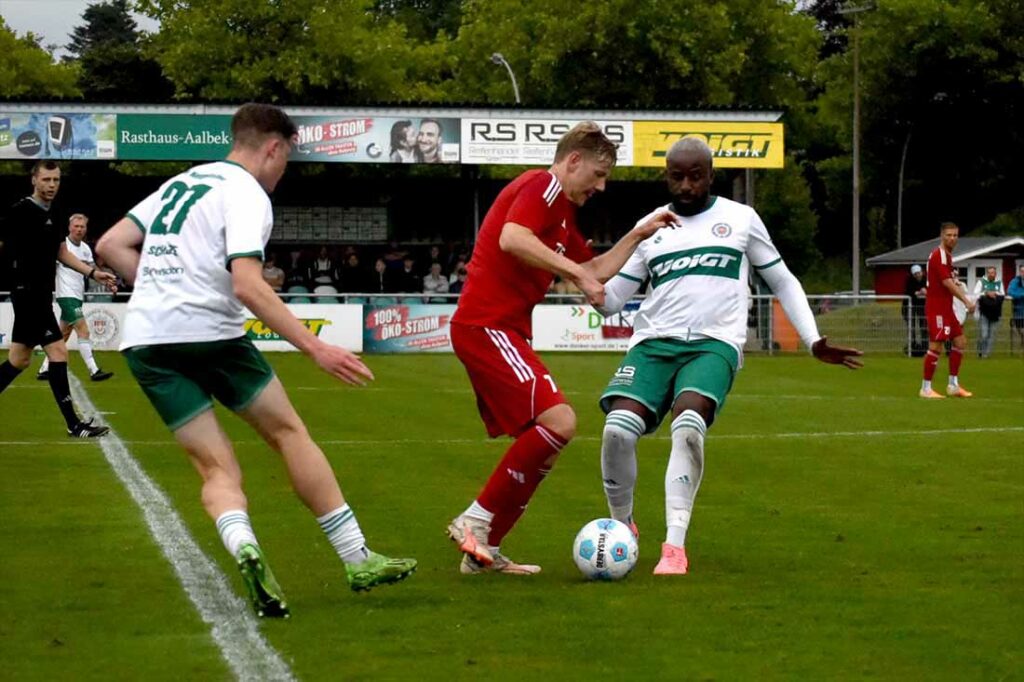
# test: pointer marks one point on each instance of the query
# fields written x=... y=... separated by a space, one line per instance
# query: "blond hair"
x=587 y=138
x=78 y=216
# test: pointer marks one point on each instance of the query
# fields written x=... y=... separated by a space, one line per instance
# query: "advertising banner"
x=173 y=137
x=377 y=139
x=57 y=136
x=735 y=145
x=577 y=327
x=340 y=325
x=531 y=142
x=408 y=328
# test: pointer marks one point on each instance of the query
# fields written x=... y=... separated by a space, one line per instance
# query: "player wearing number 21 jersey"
x=528 y=236
x=201 y=238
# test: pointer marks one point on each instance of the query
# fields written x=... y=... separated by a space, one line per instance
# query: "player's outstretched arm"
x=257 y=296
x=836 y=355
x=605 y=266
x=119 y=247
x=791 y=294
x=72 y=261
x=617 y=293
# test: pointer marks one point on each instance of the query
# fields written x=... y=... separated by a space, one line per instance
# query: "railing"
x=874 y=324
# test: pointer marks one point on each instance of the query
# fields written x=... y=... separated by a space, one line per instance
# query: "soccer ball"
x=605 y=549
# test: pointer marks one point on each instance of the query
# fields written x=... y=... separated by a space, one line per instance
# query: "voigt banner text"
x=734 y=145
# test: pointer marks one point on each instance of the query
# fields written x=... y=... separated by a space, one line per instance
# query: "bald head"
x=690 y=149
x=689 y=173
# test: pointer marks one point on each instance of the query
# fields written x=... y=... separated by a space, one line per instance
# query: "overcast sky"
x=52 y=19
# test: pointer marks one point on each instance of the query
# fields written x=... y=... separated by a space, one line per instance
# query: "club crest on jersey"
x=721 y=230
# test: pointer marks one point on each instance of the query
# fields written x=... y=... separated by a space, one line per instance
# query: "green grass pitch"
x=845 y=529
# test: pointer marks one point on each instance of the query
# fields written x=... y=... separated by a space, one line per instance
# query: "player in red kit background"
x=527 y=237
x=942 y=323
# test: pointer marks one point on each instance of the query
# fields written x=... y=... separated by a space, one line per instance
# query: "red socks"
x=516 y=477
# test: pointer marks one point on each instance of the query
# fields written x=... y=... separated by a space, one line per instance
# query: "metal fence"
x=874 y=324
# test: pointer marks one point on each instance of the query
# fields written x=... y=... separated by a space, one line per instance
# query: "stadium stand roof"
x=415 y=109
x=966 y=249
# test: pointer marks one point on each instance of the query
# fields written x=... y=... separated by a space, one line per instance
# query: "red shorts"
x=512 y=385
x=944 y=327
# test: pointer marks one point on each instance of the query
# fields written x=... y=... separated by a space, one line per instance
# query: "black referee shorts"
x=34 y=322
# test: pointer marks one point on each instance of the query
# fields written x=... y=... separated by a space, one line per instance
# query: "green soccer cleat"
x=378 y=570
x=264 y=592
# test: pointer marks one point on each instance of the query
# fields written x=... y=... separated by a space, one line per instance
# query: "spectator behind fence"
x=383 y=280
x=988 y=291
x=435 y=283
x=273 y=275
x=1016 y=292
x=323 y=269
x=916 y=289
x=353 y=277
x=460 y=281
x=459 y=265
x=408 y=280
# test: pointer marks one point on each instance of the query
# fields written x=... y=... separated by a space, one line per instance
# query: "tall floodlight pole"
x=499 y=58
x=856 y=142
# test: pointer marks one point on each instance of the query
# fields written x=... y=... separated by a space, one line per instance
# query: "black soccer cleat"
x=100 y=375
x=88 y=430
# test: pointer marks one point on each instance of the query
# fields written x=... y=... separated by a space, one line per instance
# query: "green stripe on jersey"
x=631 y=278
x=137 y=222
x=714 y=261
x=768 y=265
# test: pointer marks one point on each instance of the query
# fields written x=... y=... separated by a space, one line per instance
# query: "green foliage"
x=108 y=48
x=301 y=49
x=1004 y=224
x=943 y=71
x=27 y=70
x=624 y=53
x=783 y=200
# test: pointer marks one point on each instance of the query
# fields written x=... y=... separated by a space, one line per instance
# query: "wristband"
x=91 y=273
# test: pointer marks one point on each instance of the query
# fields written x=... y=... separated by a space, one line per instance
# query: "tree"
x=27 y=70
x=313 y=50
x=108 y=47
x=945 y=79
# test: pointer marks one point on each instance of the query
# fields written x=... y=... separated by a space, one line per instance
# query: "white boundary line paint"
x=233 y=626
x=455 y=441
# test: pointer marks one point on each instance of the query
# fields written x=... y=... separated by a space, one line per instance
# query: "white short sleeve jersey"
x=195 y=225
x=698 y=274
x=71 y=284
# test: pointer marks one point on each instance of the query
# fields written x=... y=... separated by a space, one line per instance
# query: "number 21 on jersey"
x=174 y=209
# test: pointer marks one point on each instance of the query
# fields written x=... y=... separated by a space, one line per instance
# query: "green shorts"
x=654 y=373
x=181 y=379
x=70 y=310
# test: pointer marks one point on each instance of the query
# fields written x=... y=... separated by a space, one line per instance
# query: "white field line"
x=713 y=437
x=233 y=626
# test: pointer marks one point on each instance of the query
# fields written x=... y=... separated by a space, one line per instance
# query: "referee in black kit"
x=33 y=244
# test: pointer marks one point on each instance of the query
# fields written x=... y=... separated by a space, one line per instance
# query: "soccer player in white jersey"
x=202 y=236
x=70 y=287
x=688 y=337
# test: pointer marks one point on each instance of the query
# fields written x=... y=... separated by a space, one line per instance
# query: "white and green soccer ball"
x=605 y=549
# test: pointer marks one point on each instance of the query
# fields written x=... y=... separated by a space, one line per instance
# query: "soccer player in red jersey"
x=527 y=237
x=942 y=322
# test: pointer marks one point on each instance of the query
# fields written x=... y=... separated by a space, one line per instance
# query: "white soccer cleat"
x=471 y=536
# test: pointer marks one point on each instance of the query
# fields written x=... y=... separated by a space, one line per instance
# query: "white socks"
x=344 y=534
x=85 y=348
x=235 y=530
x=682 y=478
x=475 y=511
x=622 y=429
